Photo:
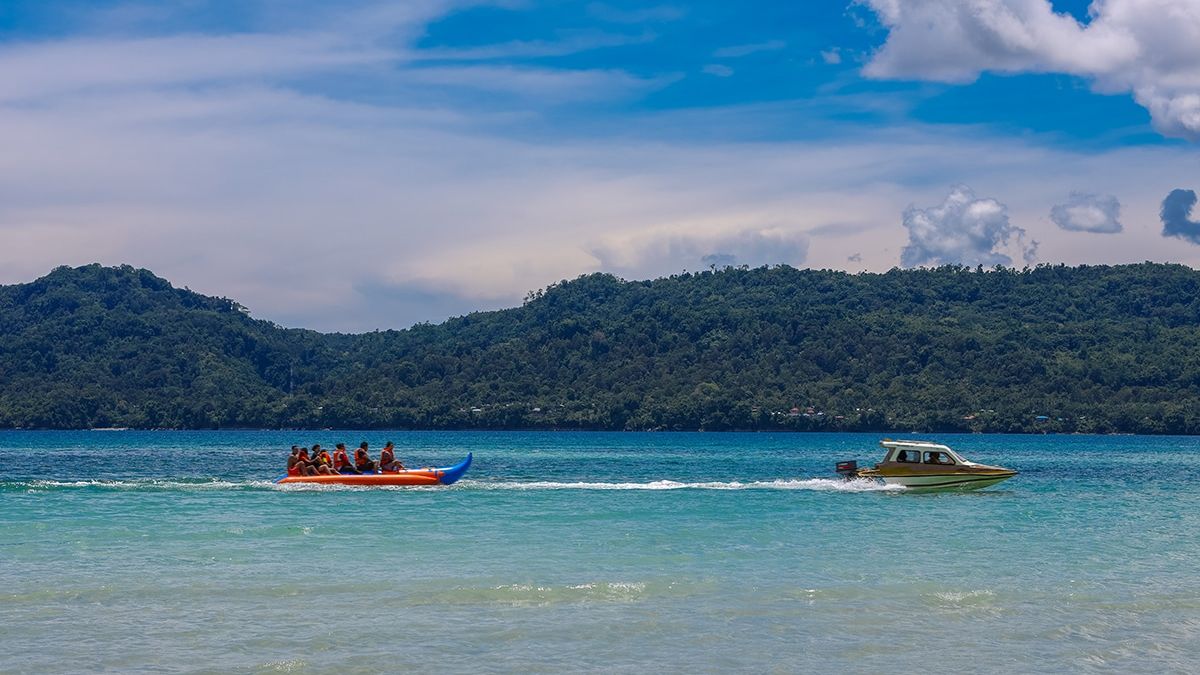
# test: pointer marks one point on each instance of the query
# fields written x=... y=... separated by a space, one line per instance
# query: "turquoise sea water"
x=172 y=551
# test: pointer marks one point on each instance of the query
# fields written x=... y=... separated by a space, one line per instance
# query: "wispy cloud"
x=832 y=56
x=542 y=83
x=569 y=43
x=737 y=51
x=31 y=72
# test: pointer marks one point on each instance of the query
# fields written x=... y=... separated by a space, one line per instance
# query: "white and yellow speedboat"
x=921 y=465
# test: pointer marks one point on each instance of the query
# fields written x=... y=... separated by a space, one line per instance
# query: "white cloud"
x=737 y=51
x=547 y=84
x=47 y=69
x=1150 y=48
x=832 y=56
x=570 y=43
x=1084 y=212
x=962 y=230
x=718 y=70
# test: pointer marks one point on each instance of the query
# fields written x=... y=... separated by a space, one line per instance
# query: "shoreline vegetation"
x=886 y=433
x=1049 y=349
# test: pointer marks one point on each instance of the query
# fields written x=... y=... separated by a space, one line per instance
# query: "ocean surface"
x=613 y=552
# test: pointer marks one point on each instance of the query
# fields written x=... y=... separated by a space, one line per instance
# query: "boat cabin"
x=918 y=452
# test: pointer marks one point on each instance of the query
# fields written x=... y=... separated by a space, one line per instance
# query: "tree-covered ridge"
x=1052 y=348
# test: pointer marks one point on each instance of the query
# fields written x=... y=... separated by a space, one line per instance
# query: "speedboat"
x=922 y=465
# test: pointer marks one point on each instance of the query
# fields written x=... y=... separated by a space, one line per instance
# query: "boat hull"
x=959 y=481
x=427 y=476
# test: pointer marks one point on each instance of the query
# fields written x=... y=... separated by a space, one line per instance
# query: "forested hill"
x=1046 y=349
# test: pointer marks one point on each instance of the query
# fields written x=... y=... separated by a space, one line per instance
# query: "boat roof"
x=913 y=445
x=923 y=446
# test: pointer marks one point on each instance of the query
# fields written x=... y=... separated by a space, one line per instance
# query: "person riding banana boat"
x=337 y=468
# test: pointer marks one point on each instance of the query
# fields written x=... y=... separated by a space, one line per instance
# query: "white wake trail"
x=814 y=484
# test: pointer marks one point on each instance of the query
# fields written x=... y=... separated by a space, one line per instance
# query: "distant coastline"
x=881 y=432
x=1050 y=349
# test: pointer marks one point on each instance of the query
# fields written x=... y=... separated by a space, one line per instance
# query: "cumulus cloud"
x=1084 y=212
x=832 y=57
x=1176 y=216
x=1150 y=48
x=962 y=230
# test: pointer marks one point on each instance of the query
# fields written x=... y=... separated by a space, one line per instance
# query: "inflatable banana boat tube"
x=425 y=476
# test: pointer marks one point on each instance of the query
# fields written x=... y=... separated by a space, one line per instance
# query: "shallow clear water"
x=173 y=551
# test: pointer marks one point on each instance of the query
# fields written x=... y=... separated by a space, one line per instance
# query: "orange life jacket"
x=387 y=456
x=340 y=460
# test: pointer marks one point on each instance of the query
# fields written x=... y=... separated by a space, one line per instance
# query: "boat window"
x=908 y=456
x=938 y=458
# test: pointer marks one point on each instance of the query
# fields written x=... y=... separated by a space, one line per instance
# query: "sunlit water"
x=174 y=551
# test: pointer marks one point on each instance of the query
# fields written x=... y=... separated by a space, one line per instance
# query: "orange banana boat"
x=425 y=476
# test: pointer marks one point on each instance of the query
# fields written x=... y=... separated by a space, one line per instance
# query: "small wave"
x=963 y=597
x=815 y=484
x=551 y=594
x=959 y=602
x=288 y=666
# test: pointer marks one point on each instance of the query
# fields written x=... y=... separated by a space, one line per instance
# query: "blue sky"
x=361 y=165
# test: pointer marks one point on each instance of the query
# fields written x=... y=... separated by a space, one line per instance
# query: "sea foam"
x=814 y=484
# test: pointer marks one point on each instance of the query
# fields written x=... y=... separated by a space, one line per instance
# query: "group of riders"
x=321 y=462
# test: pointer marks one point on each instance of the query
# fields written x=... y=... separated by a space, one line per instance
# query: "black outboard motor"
x=848 y=470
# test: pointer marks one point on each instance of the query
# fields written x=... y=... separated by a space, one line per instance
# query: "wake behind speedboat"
x=921 y=465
